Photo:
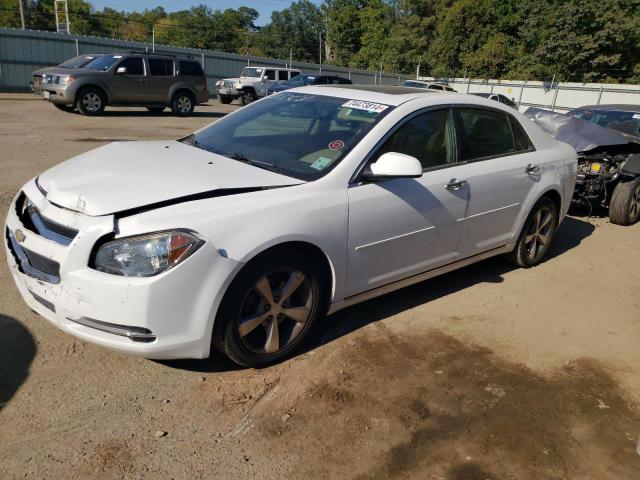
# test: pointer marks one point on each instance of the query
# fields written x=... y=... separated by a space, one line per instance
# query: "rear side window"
x=283 y=75
x=134 y=66
x=161 y=66
x=190 y=68
x=520 y=138
x=485 y=133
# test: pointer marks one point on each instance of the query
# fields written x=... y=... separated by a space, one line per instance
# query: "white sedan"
x=244 y=233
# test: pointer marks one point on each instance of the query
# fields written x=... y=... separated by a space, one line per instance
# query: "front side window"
x=134 y=65
x=299 y=135
x=270 y=74
x=161 y=67
x=429 y=137
x=485 y=133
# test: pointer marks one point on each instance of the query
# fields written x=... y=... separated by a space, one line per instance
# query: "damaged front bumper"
x=166 y=316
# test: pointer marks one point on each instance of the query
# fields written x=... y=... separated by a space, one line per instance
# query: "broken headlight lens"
x=145 y=255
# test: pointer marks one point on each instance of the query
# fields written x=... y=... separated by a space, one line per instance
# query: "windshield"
x=409 y=83
x=77 y=62
x=296 y=134
x=626 y=122
x=252 y=72
x=103 y=63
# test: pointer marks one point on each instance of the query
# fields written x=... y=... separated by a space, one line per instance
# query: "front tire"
x=246 y=97
x=269 y=308
x=535 y=239
x=155 y=110
x=183 y=103
x=624 y=208
x=91 y=101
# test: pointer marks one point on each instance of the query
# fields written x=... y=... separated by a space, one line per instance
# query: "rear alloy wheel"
x=269 y=309
x=624 y=208
x=247 y=97
x=183 y=104
x=536 y=236
x=90 y=101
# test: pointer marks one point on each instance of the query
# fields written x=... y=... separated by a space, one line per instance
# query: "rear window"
x=190 y=68
x=161 y=66
x=486 y=133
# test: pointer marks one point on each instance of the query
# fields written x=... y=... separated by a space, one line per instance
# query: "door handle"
x=532 y=169
x=455 y=185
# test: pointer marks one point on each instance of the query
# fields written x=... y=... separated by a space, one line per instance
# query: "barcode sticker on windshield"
x=367 y=106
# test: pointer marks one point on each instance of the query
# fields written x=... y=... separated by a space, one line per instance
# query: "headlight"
x=66 y=79
x=219 y=83
x=146 y=255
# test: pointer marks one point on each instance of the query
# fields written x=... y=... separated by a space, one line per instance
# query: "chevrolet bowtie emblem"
x=20 y=236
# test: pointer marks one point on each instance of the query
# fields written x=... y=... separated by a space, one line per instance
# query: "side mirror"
x=121 y=71
x=395 y=165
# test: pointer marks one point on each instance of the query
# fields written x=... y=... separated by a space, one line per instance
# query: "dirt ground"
x=489 y=372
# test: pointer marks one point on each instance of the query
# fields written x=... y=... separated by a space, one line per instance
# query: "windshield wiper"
x=243 y=158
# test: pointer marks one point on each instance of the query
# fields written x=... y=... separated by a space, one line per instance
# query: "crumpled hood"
x=128 y=175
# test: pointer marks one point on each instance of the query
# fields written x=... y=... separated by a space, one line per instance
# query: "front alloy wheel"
x=90 y=102
x=269 y=308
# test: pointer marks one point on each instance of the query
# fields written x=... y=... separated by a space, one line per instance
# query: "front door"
x=131 y=85
x=402 y=227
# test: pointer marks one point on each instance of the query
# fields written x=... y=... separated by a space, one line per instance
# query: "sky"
x=264 y=7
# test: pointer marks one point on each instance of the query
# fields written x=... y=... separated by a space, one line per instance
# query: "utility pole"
x=320 y=51
x=21 y=14
x=290 y=58
x=153 y=38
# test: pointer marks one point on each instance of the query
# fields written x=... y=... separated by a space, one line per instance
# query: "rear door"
x=503 y=174
x=160 y=79
x=130 y=87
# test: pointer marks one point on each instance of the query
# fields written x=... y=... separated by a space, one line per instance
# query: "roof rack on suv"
x=185 y=55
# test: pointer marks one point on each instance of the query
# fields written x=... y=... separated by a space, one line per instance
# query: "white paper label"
x=367 y=106
x=636 y=115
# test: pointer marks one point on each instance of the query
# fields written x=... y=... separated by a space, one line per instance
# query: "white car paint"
x=376 y=237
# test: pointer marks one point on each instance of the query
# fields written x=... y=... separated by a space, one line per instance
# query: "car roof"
x=621 y=107
x=388 y=95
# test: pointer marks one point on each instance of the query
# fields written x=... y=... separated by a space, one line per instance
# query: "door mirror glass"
x=395 y=165
x=121 y=70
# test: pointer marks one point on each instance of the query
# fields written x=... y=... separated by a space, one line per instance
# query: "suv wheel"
x=225 y=99
x=536 y=236
x=269 y=308
x=183 y=103
x=247 y=97
x=624 y=208
x=90 y=101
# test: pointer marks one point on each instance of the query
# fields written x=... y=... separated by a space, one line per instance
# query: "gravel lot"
x=489 y=372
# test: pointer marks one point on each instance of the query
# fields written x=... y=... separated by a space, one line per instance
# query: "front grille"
x=33 y=221
x=32 y=263
x=228 y=85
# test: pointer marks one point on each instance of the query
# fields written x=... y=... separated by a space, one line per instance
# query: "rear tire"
x=624 y=208
x=183 y=103
x=225 y=99
x=269 y=308
x=535 y=239
x=91 y=101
